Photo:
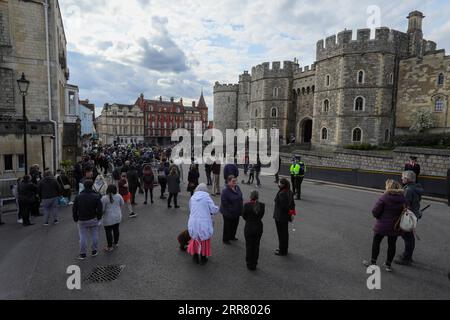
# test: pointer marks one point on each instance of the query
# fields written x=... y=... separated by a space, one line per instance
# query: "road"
x=333 y=235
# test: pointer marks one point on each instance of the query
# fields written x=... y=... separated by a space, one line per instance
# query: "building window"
x=360 y=77
x=274 y=112
x=275 y=92
x=8 y=162
x=256 y=113
x=391 y=78
x=441 y=79
x=326 y=106
x=324 y=134
x=21 y=162
x=357 y=135
x=327 y=80
x=229 y=99
x=359 y=104
x=439 y=105
x=303 y=91
x=72 y=103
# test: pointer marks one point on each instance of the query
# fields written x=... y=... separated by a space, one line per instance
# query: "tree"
x=421 y=120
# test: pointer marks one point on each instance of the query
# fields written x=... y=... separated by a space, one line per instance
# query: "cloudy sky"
x=118 y=49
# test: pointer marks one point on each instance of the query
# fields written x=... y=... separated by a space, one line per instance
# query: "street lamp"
x=23 y=88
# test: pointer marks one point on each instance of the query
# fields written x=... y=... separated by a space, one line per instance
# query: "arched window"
x=324 y=134
x=313 y=89
x=308 y=90
x=274 y=112
x=360 y=79
x=327 y=80
x=256 y=113
x=303 y=91
x=229 y=99
x=441 y=79
x=356 y=135
x=439 y=105
x=359 y=104
x=326 y=105
x=391 y=78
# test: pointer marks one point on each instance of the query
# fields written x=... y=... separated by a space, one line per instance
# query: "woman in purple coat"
x=387 y=211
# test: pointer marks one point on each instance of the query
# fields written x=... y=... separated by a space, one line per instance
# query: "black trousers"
x=410 y=245
x=230 y=226
x=133 y=189
x=175 y=197
x=112 y=234
x=392 y=240
x=35 y=208
x=25 y=211
x=252 y=241
x=163 y=184
x=283 y=236
x=293 y=183
x=208 y=178
x=151 y=194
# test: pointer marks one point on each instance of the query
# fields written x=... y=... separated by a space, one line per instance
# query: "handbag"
x=407 y=221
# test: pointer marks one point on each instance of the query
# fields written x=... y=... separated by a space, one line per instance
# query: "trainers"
x=403 y=262
x=82 y=256
x=94 y=253
x=19 y=221
x=70 y=203
x=367 y=263
x=109 y=249
x=116 y=245
x=145 y=202
x=45 y=224
x=387 y=268
x=56 y=222
x=133 y=215
x=177 y=207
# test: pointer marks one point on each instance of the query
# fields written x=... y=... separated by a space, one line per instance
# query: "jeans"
x=208 y=178
x=258 y=182
x=216 y=184
x=50 y=208
x=392 y=240
x=84 y=229
x=410 y=244
x=112 y=234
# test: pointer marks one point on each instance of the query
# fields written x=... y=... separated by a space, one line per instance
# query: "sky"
x=118 y=49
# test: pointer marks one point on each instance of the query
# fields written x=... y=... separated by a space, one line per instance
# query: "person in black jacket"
x=253 y=213
x=49 y=191
x=231 y=204
x=87 y=211
x=283 y=213
x=133 y=182
x=27 y=198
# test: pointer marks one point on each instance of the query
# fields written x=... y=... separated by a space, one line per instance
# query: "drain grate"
x=104 y=274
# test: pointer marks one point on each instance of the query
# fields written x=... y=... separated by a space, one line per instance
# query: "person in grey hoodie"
x=413 y=195
x=49 y=191
x=112 y=203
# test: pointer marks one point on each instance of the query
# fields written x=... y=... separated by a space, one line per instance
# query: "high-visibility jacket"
x=296 y=168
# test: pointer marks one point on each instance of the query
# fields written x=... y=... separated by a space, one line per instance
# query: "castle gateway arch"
x=305 y=128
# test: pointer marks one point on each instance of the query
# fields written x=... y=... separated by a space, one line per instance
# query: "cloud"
x=174 y=48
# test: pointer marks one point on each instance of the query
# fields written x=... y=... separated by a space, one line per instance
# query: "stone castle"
x=357 y=91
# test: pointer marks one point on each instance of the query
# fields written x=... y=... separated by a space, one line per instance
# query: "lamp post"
x=23 y=88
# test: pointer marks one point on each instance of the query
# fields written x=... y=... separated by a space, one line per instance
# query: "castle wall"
x=418 y=89
x=225 y=106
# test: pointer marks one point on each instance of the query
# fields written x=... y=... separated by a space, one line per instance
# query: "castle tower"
x=243 y=121
x=225 y=106
x=415 y=33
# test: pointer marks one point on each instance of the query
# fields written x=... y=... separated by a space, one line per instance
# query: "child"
x=125 y=193
x=112 y=216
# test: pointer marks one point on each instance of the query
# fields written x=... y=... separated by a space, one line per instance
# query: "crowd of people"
x=108 y=179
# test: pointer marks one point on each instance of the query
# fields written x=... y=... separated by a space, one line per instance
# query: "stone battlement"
x=230 y=87
x=266 y=70
x=386 y=40
x=305 y=71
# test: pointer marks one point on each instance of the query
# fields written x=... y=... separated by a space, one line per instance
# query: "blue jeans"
x=84 y=229
x=410 y=244
x=50 y=207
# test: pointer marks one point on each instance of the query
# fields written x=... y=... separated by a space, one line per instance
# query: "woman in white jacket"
x=112 y=216
x=200 y=224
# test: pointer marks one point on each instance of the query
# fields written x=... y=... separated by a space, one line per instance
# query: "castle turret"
x=225 y=106
x=416 y=45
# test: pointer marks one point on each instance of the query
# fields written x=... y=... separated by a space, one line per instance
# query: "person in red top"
x=148 y=178
x=125 y=193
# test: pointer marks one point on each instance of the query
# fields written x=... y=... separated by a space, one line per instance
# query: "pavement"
x=333 y=234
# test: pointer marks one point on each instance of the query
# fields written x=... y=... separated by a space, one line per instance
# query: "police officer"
x=292 y=170
x=298 y=170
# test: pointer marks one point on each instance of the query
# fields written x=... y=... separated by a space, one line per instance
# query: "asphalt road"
x=333 y=235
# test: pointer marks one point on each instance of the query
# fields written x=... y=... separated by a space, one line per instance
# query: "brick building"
x=162 y=117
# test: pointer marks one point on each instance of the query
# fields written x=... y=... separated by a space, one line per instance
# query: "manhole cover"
x=104 y=274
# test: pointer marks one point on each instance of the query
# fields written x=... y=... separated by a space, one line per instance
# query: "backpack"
x=407 y=221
